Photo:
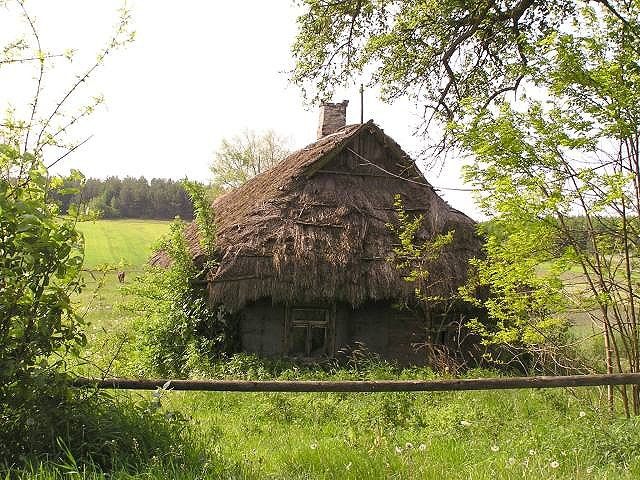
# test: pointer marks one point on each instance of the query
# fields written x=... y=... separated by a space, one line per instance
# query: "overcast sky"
x=197 y=72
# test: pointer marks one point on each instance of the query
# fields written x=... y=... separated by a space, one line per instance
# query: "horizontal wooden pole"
x=502 y=383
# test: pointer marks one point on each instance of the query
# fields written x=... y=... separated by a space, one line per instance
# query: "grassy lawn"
x=536 y=434
x=127 y=245
x=126 y=242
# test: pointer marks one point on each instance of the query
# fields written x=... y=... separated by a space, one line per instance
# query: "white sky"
x=197 y=72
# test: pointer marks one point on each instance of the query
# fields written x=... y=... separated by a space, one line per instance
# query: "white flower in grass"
x=348 y=465
x=495 y=448
x=532 y=452
x=589 y=469
x=464 y=423
x=554 y=464
x=511 y=461
x=408 y=445
x=313 y=446
x=582 y=414
x=398 y=450
x=422 y=447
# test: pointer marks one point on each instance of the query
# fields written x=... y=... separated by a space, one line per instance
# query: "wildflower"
x=495 y=448
x=554 y=464
x=589 y=469
x=532 y=452
x=398 y=450
x=464 y=423
x=408 y=445
x=511 y=460
x=422 y=447
x=582 y=414
x=313 y=446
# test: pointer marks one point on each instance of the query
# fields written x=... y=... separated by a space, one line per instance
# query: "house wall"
x=262 y=328
x=378 y=327
x=383 y=330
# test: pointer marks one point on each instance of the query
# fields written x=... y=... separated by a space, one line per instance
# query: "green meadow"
x=120 y=242
x=519 y=434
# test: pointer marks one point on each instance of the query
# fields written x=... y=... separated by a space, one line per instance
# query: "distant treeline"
x=130 y=198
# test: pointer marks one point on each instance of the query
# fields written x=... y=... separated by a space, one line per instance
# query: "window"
x=309 y=332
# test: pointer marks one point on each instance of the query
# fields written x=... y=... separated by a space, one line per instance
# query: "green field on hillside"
x=120 y=241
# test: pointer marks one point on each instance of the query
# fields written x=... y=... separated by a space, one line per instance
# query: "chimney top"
x=333 y=116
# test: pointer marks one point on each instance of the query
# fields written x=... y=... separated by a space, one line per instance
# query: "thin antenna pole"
x=361 y=103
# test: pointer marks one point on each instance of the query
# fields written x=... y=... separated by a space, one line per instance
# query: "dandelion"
x=313 y=446
x=464 y=423
x=554 y=464
x=582 y=414
x=408 y=445
x=398 y=450
x=422 y=447
x=495 y=448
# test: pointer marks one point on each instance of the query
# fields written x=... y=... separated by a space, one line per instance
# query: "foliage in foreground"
x=459 y=435
x=40 y=260
x=92 y=428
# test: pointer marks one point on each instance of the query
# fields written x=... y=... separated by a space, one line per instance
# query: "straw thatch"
x=314 y=227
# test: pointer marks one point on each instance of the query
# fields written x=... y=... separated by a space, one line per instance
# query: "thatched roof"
x=314 y=227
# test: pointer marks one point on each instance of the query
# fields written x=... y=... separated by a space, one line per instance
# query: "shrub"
x=176 y=324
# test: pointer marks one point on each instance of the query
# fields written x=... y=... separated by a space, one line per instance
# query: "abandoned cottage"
x=303 y=250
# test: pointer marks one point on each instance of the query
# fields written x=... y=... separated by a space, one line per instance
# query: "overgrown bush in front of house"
x=177 y=327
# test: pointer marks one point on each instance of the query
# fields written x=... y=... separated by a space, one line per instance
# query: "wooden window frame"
x=328 y=322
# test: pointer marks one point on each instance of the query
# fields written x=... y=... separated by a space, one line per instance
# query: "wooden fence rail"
x=504 y=383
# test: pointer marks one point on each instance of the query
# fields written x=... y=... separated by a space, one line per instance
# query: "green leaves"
x=40 y=261
x=413 y=256
x=202 y=200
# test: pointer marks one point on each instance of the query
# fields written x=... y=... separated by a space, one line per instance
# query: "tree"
x=541 y=164
x=245 y=156
x=440 y=54
x=537 y=164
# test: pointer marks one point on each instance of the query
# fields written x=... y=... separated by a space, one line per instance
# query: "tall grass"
x=552 y=433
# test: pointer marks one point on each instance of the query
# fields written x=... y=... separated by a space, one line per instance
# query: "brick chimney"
x=333 y=116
